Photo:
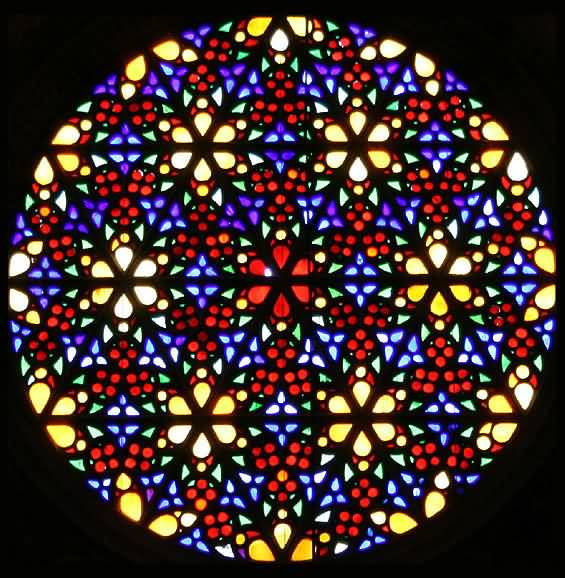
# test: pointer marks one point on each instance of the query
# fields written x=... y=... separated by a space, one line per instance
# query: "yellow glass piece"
x=381 y=159
x=188 y=519
x=180 y=160
x=517 y=169
x=385 y=404
x=544 y=258
x=146 y=295
x=202 y=171
x=201 y=393
x=483 y=443
x=123 y=482
x=123 y=309
x=441 y=481
x=378 y=518
x=123 y=256
x=63 y=435
x=180 y=134
x=438 y=305
x=202 y=121
x=257 y=26
x=528 y=243
x=432 y=87
x=334 y=133
x=491 y=158
x=400 y=523
x=545 y=298
x=225 y=160
x=502 y=432
x=493 y=131
x=325 y=537
x=147 y=267
x=178 y=433
x=128 y=90
x=320 y=302
x=225 y=433
x=44 y=172
x=357 y=120
x=19 y=263
x=435 y=502
x=524 y=394
x=298 y=25
x=523 y=371
x=385 y=431
x=318 y=35
x=18 y=300
x=68 y=134
x=69 y=162
x=225 y=133
x=165 y=525
x=336 y=158
x=188 y=55
x=461 y=292
x=279 y=41
x=338 y=404
x=423 y=65
x=417 y=292
x=282 y=533
x=65 y=406
x=358 y=171
x=101 y=295
x=168 y=50
x=35 y=247
x=380 y=133
x=499 y=404
x=304 y=550
x=361 y=392
x=240 y=539
x=258 y=549
x=33 y=318
x=368 y=53
x=135 y=69
x=201 y=447
x=101 y=269
x=202 y=190
x=178 y=406
x=131 y=506
x=438 y=253
x=390 y=48
x=461 y=266
x=362 y=446
x=39 y=394
x=415 y=266
x=224 y=406
x=339 y=431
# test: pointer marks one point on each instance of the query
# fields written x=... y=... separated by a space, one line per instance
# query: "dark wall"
x=509 y=60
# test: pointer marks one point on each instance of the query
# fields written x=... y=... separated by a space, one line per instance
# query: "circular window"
x=281 y=290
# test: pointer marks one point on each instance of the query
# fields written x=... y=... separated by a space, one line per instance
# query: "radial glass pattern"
x=281 y=290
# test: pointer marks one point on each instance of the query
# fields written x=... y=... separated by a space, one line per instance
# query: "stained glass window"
x=282 y=289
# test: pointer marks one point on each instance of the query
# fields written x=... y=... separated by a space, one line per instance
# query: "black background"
x=508 y=60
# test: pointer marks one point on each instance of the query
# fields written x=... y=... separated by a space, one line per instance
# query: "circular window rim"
x=45 y=467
